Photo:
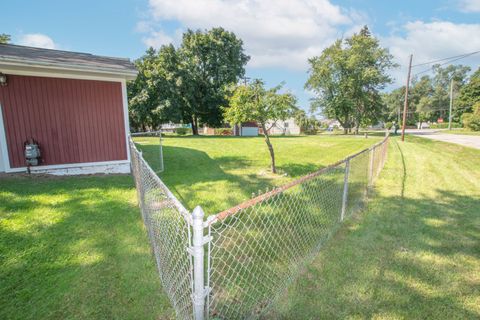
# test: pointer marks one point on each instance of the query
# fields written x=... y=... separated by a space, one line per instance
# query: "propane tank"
x=32 y=152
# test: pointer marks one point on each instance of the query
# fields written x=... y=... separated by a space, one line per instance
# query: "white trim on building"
x=4 y=161
x=120 y=166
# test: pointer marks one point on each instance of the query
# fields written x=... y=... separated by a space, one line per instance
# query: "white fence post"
x=371 y=169
x=345 y=189
x=198 y=252
x=162 y=168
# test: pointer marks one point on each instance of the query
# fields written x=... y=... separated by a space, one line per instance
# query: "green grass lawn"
x=219 y=172
x=75 y=248
x=462 y=131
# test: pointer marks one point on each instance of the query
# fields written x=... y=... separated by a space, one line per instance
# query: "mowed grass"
x=220 y=172
x=462 y=132
x=413 y=254
x=75 y=248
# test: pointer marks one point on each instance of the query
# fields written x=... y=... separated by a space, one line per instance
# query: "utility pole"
x=405 y=105
x=451 y=106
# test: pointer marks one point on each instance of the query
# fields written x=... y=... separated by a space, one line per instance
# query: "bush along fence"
x=235 y=264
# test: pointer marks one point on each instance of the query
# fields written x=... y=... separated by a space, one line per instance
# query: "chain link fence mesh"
x=168 y=227
x=255 y=249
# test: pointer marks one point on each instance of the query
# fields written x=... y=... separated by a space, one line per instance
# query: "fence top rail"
x=251 y=202
x=146 y=133
x=183 y=211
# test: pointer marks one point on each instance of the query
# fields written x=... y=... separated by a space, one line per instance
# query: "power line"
x=440 y=60
x=447 y=62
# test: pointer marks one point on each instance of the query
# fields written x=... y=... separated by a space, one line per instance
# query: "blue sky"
x=279 y=35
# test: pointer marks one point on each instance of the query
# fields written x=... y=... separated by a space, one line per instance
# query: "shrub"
x=223 y=131
x=472 y=120
x=182 y=131
x=310 y=131
x=444 y=125
x=388 y=125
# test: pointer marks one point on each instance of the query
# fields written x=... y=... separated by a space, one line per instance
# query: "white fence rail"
x=234 y=264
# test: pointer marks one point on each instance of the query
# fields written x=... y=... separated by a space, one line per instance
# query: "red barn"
x=74 y=105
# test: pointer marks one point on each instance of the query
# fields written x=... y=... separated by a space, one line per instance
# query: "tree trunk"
x=270 y=148
x=357 y=129
x=194 y=126
x=195 y=119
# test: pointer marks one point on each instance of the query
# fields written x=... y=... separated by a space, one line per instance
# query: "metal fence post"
x=345 y=189
x=371 y=169
x=197 y=250
x=162 y=168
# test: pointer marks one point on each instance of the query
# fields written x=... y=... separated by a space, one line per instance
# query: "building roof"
x=21 y=55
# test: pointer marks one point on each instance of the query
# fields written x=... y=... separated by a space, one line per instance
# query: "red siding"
x=74 y=121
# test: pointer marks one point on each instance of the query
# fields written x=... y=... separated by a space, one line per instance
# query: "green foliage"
x=182 y=131
x=4 y=38
x=187 y=84
x=388 y=125
x=223 y=131
x=154 y=98
x=429 y=97
x=472 y=120
x=253 y=102
x=469 y=95
x=308 y=124
x=347 y=78
x=444 y=125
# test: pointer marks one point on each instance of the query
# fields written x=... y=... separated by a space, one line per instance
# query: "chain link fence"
x=168 y=227
x=234 y=264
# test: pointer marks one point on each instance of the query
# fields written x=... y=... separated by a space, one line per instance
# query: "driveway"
x=464 y=140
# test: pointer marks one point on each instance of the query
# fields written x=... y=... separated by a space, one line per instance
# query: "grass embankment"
x=219 y=172
x=462 y=132
x=413 y=254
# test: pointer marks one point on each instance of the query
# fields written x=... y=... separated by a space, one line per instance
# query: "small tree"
x=253 y=102
x=4 y=38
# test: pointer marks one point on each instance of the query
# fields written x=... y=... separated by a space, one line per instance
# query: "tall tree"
x=441 y=86
x=187 y=83
x=468 y=96
x=143 y=96
x=347 y=78
x=253 y=102
x=210 y=61
x=4 y=38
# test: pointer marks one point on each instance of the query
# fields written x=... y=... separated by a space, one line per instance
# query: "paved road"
x=464 y=140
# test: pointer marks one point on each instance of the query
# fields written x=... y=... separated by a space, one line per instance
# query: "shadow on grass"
x=188 y=167
x=75 y=248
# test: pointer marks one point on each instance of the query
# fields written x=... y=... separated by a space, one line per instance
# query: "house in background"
x=246 y=129
x=73 y=104
x=286 y=127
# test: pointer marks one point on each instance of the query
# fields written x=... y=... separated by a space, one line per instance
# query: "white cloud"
x=37 y=40
x=275 y=32
x=469 y=5
x=157 y=38
x=429 y=41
